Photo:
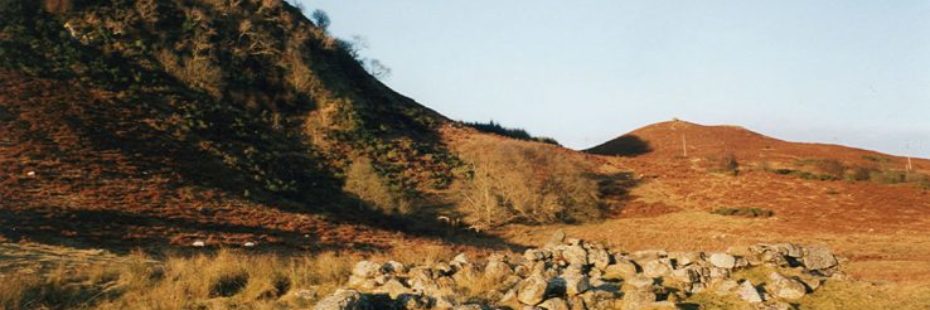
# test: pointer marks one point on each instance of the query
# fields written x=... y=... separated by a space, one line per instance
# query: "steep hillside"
x=174 y=121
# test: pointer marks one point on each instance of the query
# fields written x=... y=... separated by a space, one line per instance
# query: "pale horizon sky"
x=855 y=73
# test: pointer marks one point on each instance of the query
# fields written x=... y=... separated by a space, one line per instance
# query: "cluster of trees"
x=516 y=133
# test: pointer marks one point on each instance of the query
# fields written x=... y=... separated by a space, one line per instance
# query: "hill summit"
x=679 y=138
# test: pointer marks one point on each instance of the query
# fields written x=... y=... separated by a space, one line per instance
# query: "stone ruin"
x=574 y=274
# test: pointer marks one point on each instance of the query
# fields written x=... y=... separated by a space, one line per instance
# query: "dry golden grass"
x=224 y=279
x=861 y=295
x=221 y=280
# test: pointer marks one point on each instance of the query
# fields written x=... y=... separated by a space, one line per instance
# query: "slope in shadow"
x=111 y=143
x=626 y=146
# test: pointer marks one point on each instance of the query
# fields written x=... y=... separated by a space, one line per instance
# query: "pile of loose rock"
x=574 y=274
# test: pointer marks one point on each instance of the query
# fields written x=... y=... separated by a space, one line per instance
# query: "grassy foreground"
x=239 y=279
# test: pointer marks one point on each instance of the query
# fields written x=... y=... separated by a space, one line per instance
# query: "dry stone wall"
x=570 y=274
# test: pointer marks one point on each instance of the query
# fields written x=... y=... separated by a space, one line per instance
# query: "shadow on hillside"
x=163 y=128
x=626 y=146
x=615 y=190
x=122 y=232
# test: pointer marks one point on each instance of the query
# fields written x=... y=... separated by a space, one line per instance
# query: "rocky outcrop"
x=574 y=274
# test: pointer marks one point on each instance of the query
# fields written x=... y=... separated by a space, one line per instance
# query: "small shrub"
x=859 y=173
x=726 y=164
x=806 y=175
x=888 y=177
x=815 y=177
x=744 y=212
x=782 y=171
x=831 y=167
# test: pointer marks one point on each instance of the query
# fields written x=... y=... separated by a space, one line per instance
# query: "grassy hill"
x=731 y=148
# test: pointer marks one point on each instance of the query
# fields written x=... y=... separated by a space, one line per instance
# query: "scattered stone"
x=641 y=257
x=460 y=260
x=599 y=257
x=717 y=274
x=392 y=267
x=249 y=244
x=343 y=300
x=639 y=299
x=621 y=269
x=393 y=288
x=554 y=304
x=748 y=292
x=812 y=282
x=532 y=290
x=656 y=268
x=498 y=266
x=198 y=244
x=819 y=258
x=639 y=282
x=722 y=260
x=783 y=287
x=557 y=238
x=684 y=259
x=366 y=269
x=684 y=276
x=533 y=255
x=574 y=255
x=576 y=282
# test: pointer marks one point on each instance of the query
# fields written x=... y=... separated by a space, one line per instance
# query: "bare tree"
x=378 y=69
x=321 y=19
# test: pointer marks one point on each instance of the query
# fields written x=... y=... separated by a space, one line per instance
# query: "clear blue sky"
x=848 y=72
